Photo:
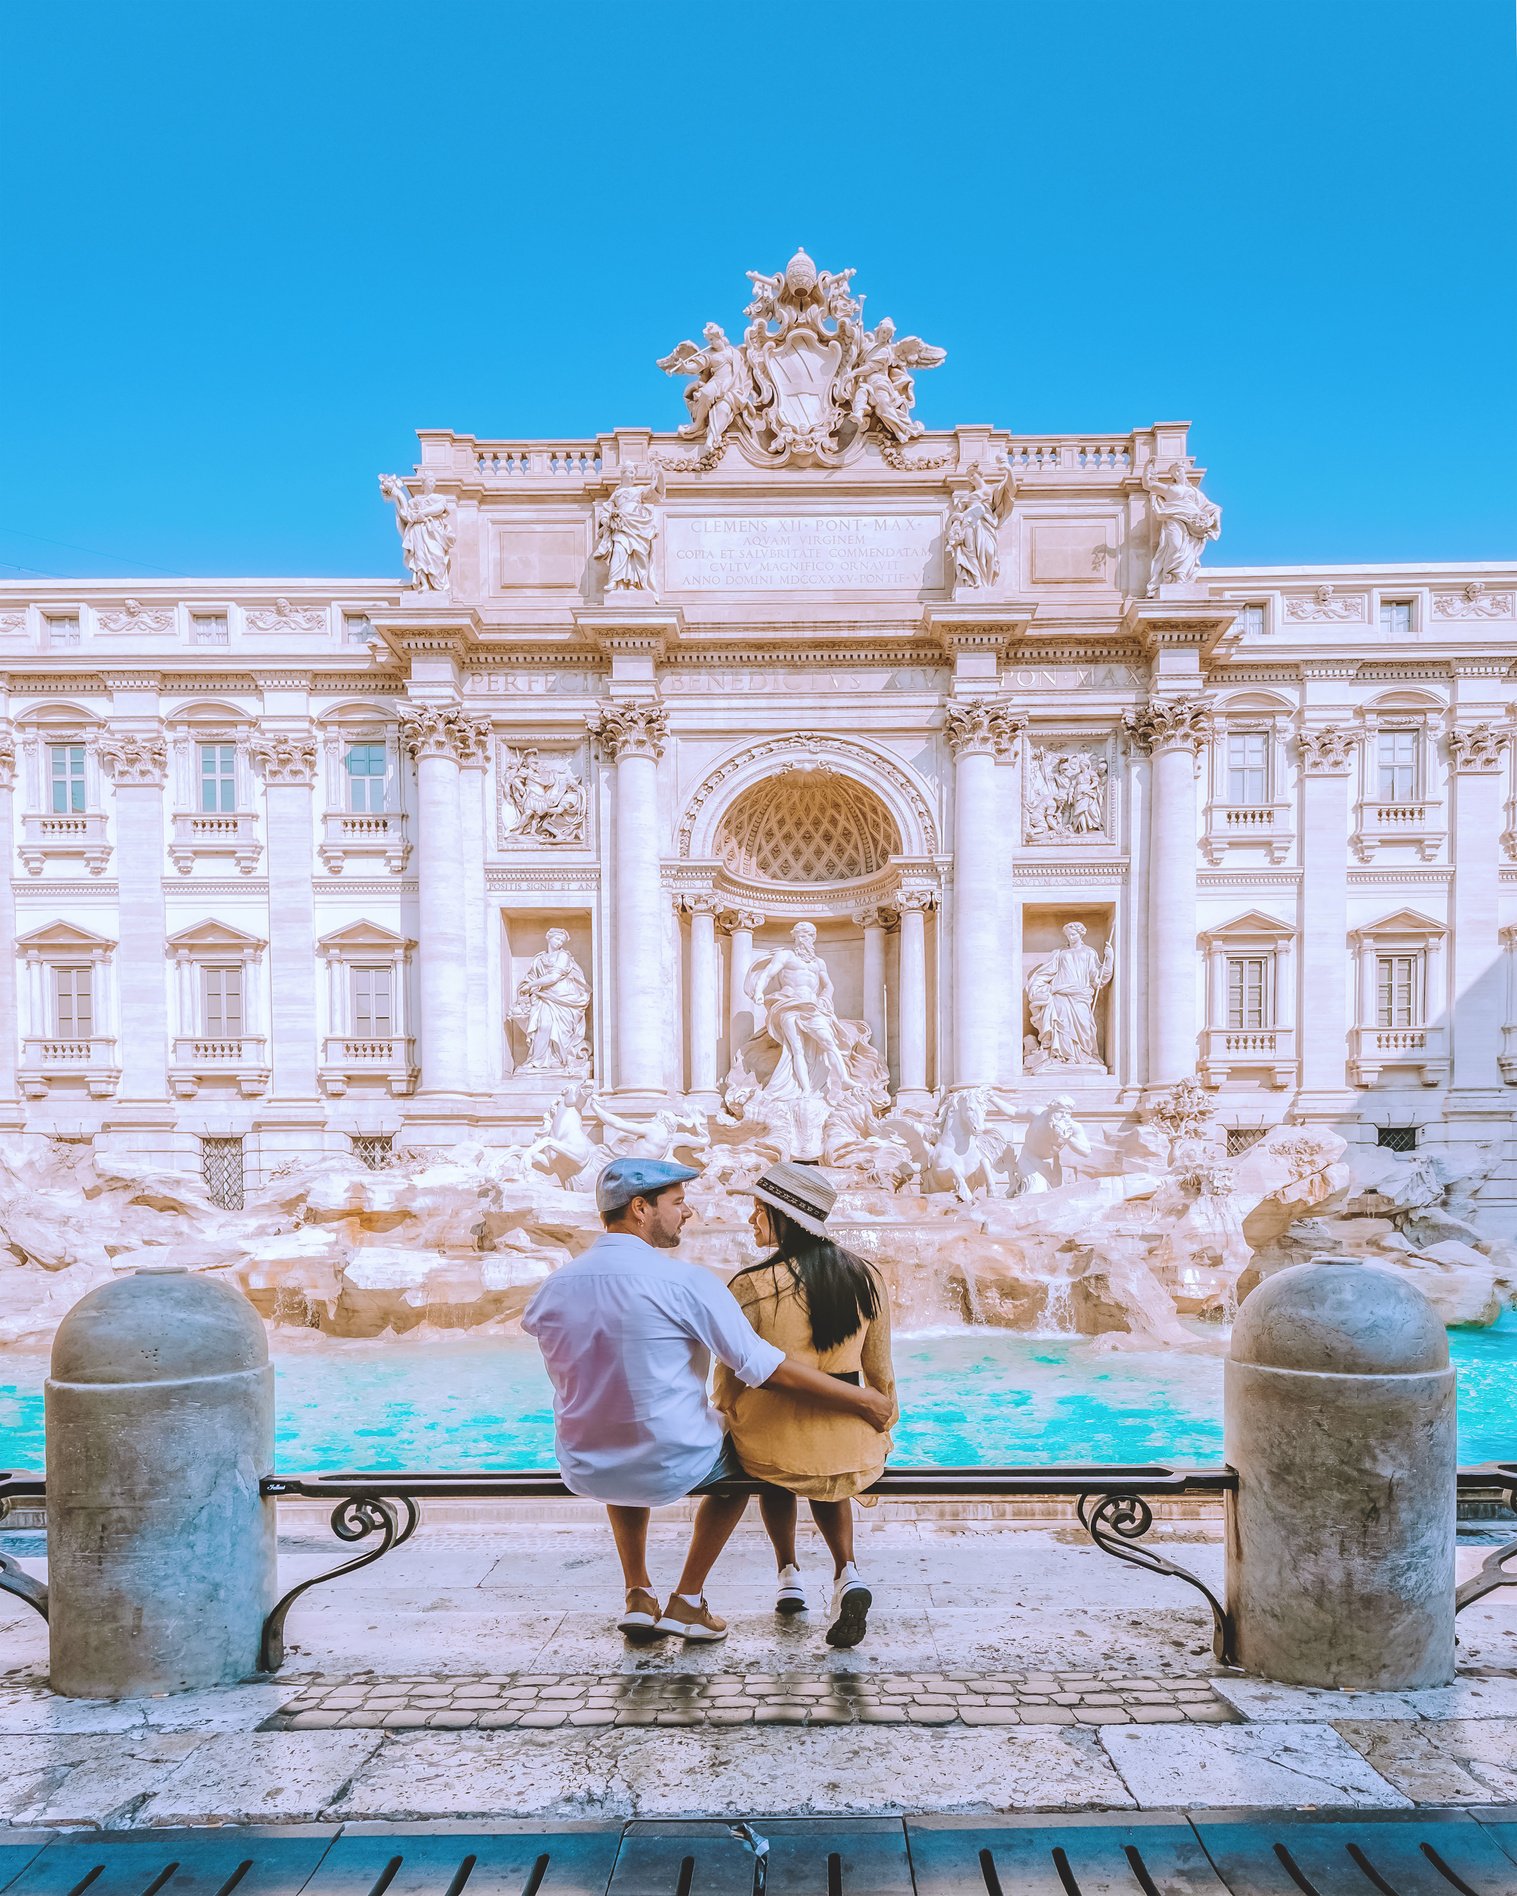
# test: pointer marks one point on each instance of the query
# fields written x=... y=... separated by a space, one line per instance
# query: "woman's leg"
x=835 y=1519
x=777 y=1506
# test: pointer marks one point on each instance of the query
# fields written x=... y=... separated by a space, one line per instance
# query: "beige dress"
x=780 y=1438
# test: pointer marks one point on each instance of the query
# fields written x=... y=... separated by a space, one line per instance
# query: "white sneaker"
x=791 y=1596
x=851 y=1601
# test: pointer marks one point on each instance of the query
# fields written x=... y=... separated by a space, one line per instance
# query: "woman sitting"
x=826 y=1308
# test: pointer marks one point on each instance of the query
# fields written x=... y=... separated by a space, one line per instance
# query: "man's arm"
x=828 y=1392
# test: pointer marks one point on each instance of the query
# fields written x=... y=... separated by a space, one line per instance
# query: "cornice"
x=96 y=889
x=1389 y=877
x=583 y=877
x=348 y=885
x=1026 y=869
x=1247 y=878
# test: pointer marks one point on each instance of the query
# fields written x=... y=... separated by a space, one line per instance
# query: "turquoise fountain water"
x=969 y=1398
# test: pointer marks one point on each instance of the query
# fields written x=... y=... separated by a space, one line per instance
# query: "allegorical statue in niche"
x=548 y=799
x=626 y=527
x=1064 y=795
x=974 y=518
x=426 y=528
x=1187 y=520
x=1061 y=995
x=723 y=386
x=791 y=992
x=552 y=998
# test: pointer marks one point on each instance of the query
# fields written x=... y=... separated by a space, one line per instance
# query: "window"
x=374 y=1149
x=1397 y=757
x=1396 y=1138
x=1251 y=621
x=373 y=1011
x=66 y=762
x=1396 y=618
x=218 y=777
x=356 y=628
x=73 y=1003
x=221 y=1002
x=366 y=777
x=210 y=628
x=1248 y=767
x=59 y=633
x=221 y=1168
x=1240 y=1138
x=1398 y=990
x=1248 y=991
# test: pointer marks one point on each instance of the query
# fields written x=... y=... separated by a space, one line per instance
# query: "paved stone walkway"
x=543 y=1701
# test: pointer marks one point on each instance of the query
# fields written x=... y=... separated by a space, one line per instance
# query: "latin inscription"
x=802 y=553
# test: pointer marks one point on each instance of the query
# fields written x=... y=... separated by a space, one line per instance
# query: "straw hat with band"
x=800 y=1191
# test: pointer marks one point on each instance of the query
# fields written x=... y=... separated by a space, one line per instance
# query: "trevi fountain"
x=798 y=782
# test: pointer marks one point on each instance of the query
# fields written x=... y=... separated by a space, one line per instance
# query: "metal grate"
x=221 y=1168
x=841 y=1856
x=1397 y=1138
x=374 y=1149
x=1240 y=1138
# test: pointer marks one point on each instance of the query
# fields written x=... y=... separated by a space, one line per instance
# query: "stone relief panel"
x=284 y=617
x=543 y=801
x=133 y=616
x=1325 y=604
x=1066 y=794
x=1474 y=602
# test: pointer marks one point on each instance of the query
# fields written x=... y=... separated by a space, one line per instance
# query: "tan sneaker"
x=640 y=1621
x=691 y=1622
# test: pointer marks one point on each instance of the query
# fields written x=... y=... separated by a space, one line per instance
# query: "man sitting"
x=627 y=1333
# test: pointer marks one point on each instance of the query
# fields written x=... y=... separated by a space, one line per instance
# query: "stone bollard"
x=1340 y=1423
x=160 y=1426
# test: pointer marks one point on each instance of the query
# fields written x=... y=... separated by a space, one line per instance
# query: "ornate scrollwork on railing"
x=1493 y=1570
x=353 y=1519
x=1117 y=1523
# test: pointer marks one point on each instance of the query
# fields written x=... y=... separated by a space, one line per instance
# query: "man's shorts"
x=725 y=1468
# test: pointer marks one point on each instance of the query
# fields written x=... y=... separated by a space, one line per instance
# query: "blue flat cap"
x=626 y=1179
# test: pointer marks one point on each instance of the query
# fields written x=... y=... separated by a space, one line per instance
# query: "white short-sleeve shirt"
x=628 y=1334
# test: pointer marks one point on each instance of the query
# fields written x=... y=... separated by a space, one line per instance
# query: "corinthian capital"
x=981 y=726
x=1475 y=747
x=442 y=730
x=1327 y=752
x=136 y=759
x=633 y=729
x=286 y=757
x=1170 y=724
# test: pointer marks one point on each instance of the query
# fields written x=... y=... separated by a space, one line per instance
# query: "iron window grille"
x=1396 y=1138
x=1240 y=1138
x=221 y=1166
x=374 y=1149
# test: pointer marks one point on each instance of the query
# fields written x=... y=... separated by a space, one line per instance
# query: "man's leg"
x=777 y=1505
x=715 y=1519
x=629 y=1529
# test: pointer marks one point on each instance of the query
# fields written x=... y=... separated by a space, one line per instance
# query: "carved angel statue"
x=1061 y=996
x=879 y=384
x=427 y=531
x=552 y=998
x=722 y=388
x=974 y=516
x=626 y=527
x=549 y=800
x=1187 y=520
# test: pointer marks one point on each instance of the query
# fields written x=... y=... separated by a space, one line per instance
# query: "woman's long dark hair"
x=841 y=1292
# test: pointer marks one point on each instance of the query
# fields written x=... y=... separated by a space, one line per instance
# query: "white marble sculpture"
x=552 y=999
x=971 y=538
x=626 y=527
x=548 y=802
x=563 y=1148
x=678 y=1137
x=965 y=1156
x=1063 y=795
x=1052 y=1130
x=1062 y=991
x=807 y=377
x=1187 y=520
x=427 y=530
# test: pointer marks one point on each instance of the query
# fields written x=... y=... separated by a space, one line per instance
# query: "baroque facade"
x=297 y=863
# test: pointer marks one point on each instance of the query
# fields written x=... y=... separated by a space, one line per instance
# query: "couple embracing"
x=804 y=1390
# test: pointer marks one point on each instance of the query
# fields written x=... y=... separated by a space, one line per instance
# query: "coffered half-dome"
x=807 y=826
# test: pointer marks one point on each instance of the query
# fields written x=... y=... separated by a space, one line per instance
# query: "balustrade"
x=1424 y=1049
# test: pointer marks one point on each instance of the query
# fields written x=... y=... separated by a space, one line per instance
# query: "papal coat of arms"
x=808 y=378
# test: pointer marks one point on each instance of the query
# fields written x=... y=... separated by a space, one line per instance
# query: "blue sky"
x=250 y=248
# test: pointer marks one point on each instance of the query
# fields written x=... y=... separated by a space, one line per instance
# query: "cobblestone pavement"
x=543 y=1701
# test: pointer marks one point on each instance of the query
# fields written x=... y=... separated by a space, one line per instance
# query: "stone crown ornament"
x=807 y=380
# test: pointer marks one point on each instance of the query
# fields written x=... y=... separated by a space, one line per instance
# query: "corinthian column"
x=704 y=1030
x=1476 y=761
x=913 y=905
x=139 y=763
x=1327 y=756
x=739 y=924
x=1172 y=731
x=981 y=733
x=437 y=737
x=632 y=734
x=872 y=921
x=288 y=760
